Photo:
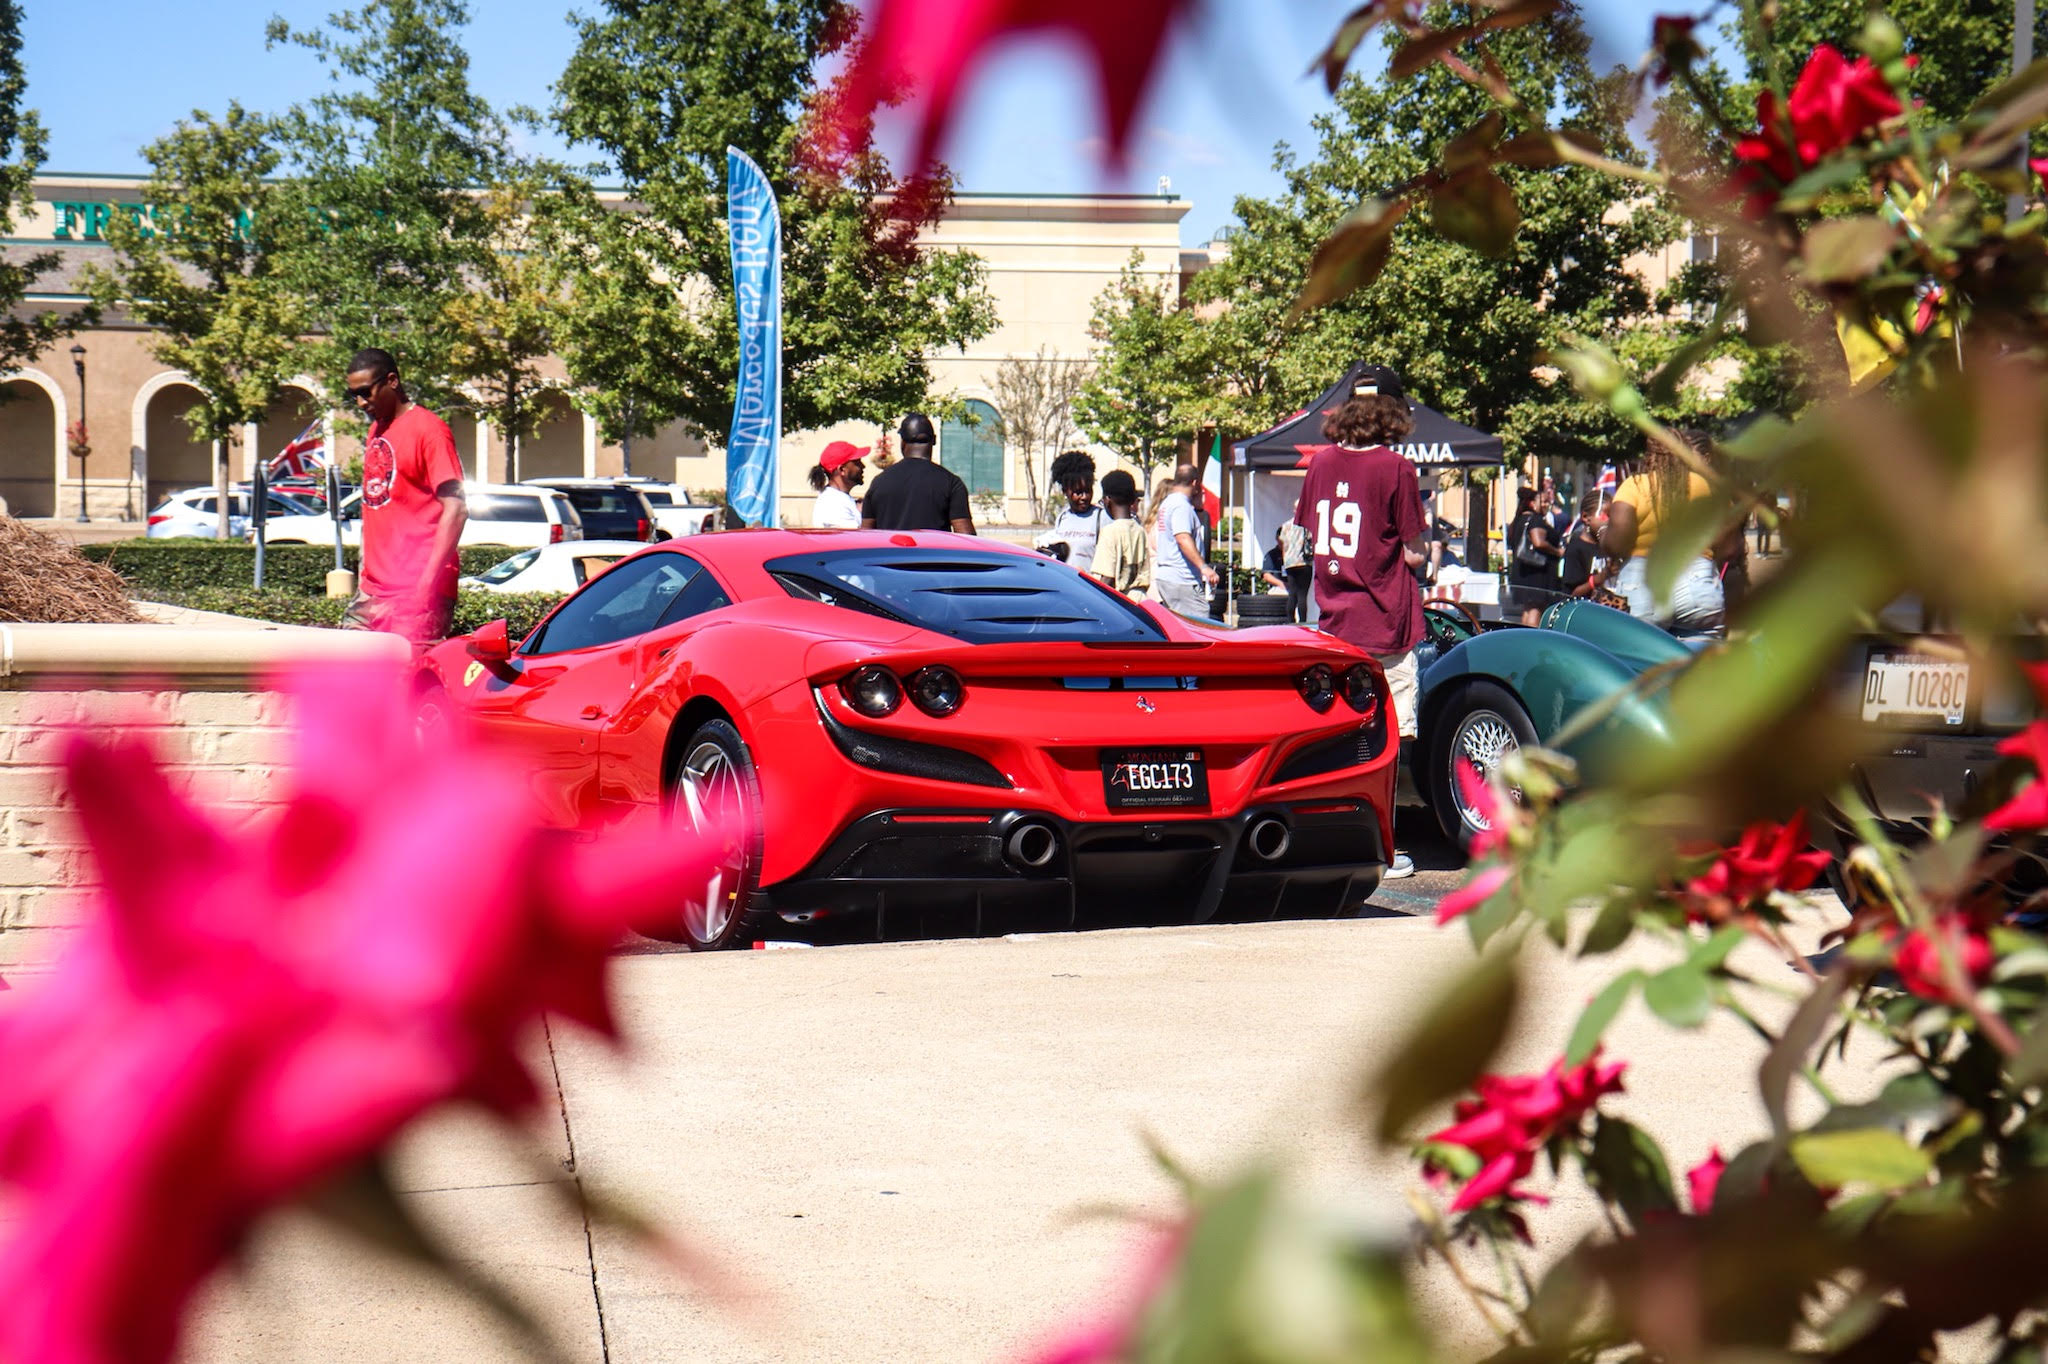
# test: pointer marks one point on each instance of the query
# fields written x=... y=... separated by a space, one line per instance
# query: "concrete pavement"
x=893 y=1142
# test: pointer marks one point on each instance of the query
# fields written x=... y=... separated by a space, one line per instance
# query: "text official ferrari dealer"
x=888 y=723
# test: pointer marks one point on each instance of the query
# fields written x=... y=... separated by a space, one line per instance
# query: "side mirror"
x=491 y=643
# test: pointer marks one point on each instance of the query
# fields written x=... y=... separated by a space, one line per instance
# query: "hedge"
x=521 y=611
x=153 y=567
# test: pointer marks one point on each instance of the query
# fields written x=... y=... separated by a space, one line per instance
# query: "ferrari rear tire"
x=431 y=716
x=1481 y=724
x=715 y=792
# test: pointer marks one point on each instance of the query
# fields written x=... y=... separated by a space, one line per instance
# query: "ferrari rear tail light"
x=1318 y=686
x=873 y=691
x=555 y=533
x=1361 y=690
x=937 y=690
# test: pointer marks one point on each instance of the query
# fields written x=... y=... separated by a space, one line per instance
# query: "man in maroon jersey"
x=412 y=509
x=1361 y=505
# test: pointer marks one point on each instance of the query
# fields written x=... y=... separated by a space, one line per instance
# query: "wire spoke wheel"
x=711 y=796
x=1483 y=739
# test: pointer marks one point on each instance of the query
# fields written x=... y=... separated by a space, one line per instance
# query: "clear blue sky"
x=110 y=77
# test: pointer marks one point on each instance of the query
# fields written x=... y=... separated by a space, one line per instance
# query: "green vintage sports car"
x=1487 y=688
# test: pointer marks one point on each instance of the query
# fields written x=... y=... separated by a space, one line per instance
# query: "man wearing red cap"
x=836 y=474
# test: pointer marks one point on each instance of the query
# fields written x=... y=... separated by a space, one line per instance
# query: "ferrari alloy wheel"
x=715 y=794
x=1480 y=725
x=430 y=717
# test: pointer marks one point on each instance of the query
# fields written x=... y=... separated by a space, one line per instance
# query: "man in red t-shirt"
x=412 y=509
x=1361 y=505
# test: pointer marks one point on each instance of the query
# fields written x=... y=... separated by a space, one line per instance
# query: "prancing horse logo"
x=1145 y=704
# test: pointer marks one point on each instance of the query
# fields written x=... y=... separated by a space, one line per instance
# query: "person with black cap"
x=915 y=493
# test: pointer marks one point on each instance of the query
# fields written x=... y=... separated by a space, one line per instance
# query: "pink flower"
x=1703 y=1179
x=1110 y=1340
x=1513 y=1118
x=932 y=46
x=1832 y=104
x=2039 y=166
x=1835 y=101
x=1473 y=893
x=2028 y=809
x=252 y=1012
x=1486 y=798
x=1768 y=857
x=1918 y=960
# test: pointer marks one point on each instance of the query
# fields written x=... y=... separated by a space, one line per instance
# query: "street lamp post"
x=78 y=367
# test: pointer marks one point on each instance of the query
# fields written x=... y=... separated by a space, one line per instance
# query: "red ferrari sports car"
x=878 y=723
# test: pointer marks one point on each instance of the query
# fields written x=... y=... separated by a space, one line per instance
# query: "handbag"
x=1528 y=557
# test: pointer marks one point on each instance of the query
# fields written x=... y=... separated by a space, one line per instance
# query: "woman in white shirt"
x=836 y=474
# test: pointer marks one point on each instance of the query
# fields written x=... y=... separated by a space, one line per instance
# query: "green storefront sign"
x=85 y=220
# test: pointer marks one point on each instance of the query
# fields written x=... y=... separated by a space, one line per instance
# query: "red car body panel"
x=601 y=724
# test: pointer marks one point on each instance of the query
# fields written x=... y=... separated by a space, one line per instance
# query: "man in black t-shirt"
x=914 y=493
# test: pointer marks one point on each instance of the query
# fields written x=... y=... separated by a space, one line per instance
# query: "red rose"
x=1703 y=1179
x=1919 y=965
x=1514 y=1117
x=1832 y=104
x=1768 y=857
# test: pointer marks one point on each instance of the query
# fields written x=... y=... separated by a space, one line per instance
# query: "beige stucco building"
x=1048 y=258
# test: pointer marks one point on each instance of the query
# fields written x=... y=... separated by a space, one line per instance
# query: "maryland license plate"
x=1154 y=778
x=1915 y=689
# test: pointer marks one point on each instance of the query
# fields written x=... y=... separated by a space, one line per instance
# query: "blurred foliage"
x=520 y=611
x=1868 y=283
x=176 y=565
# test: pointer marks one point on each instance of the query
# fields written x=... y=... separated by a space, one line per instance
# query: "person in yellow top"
x=1123 y=556
x=1643 y=504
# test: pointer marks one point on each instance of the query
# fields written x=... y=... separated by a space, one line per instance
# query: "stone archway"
x=295 y=409
x=174 y=457
x=30 y=429
x=555 y=447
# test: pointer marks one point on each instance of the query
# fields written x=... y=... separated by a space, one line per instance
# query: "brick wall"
x=220 y=732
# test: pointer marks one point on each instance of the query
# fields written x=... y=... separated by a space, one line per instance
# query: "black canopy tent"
x=1271 y=460
x=1437 y=441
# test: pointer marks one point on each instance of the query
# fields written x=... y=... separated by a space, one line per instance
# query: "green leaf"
x=1547 y=148
x=1452 y=1043
x=1835 y=173
x=1876 y=1157
x=1598 y=1013
x=1788 y=1056
x=1627 y=1168
x=1843 y=249
x=1219 y=1252
x=1478 y=209
x=1712 y=954
x=2030 y=1067
x=1611 y=927
x=1680 y=995
x=1352 y=256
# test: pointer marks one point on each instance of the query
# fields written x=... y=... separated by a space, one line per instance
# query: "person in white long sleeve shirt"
x=837 y=473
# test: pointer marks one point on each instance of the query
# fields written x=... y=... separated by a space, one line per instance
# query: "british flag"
x=306 y=453
x=1609 y=480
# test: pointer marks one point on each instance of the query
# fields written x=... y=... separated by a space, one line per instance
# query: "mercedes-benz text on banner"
x=756 y=228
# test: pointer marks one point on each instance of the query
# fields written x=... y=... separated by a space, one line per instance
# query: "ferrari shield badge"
x=472 y=673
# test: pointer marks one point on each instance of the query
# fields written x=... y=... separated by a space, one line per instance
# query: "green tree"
x=24 y=332
x=504 y=326
x=389 y=163
x=661 y=88
x=1468 y=330
x=1140 y=399
x=198 y=271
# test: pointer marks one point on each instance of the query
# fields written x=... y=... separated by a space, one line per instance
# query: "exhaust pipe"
x=1268 y=838
x=1031 y=846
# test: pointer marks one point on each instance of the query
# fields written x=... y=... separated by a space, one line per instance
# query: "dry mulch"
x=44 y=579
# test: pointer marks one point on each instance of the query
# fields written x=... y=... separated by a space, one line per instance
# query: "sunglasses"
x=362 y=395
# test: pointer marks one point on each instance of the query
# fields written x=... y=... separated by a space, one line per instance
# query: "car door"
x=552 y=699
x=636 y=734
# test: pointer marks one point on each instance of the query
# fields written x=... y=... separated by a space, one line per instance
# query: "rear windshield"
x=976 y=596
x=505 y=507
x=511 y=568
x=657 y=498
x=604 y=501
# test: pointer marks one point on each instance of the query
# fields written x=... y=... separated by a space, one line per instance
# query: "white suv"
x=196 y=512
x=510 y=514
